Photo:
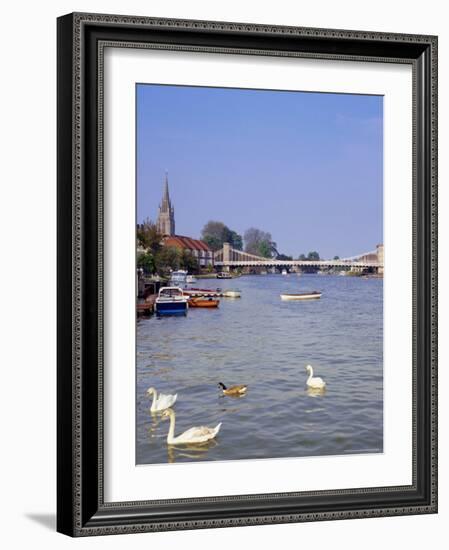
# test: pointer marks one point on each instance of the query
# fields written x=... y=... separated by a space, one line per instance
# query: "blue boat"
x=171 y=301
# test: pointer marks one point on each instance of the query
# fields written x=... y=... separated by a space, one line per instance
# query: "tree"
x=188 y=261
x=148 y=237
x=212 y=234
x=336 y=257
x=168 y=257
x=215 y=233
x=145 y=260
x=313 y=256
x=265 y=249
x=259 y=242
x=284 y=257
x=236 y=240
x=302 y=257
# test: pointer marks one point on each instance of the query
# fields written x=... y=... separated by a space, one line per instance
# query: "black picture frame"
x=81 y=510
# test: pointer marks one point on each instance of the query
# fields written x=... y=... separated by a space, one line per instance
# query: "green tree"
x=148 y=236
x=213 y=243
x=215 y=233
x=313 y=256
x=145 y=260
x=236 y=240
x=188 y=262
x=336 y=257
x=168 y=257
x=284 y=257
x=302 y=257
x=259 y=242
x=264 y=249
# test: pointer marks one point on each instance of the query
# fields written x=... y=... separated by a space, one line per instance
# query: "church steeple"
x=166 y=219
x=166 y=193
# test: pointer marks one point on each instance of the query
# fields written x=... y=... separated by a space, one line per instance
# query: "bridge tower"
x=380 y=258
x=227 y=254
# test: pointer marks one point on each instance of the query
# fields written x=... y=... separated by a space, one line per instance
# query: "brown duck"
x=233 y=390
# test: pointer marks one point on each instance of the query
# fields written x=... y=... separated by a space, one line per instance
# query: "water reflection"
x=155 y=420
x=316 y=392
x=191 y=451
x=234 y=396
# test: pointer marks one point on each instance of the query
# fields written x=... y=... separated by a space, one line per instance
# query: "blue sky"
x=307 y=167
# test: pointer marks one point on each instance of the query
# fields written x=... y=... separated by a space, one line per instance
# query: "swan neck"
x=310 y=374
x=153 y=404
x=171 y=430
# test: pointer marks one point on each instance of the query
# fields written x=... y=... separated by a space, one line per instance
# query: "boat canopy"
x=170 y=291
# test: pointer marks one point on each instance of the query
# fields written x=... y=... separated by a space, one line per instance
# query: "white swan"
x=194 y=435
x=314 y=382
x=161 y=401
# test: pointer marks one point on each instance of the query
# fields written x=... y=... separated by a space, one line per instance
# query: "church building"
x=165 y=224
x=166 y=218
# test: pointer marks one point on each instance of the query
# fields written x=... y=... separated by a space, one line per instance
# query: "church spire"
x=166 y=196
x=166 y=218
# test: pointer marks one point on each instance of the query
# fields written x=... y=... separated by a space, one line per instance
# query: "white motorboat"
x=178 y=277
x=171 y=301
x=224 y=275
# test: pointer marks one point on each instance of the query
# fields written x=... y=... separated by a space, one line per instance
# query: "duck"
x=161 y=401
x=199 y=434
x=233 y=390
x=314 y=382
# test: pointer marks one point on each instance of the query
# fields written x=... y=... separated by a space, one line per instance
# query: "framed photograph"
x=247 y=274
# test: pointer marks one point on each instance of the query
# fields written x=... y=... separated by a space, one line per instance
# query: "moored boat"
x=178 y=277
x=203 y=302
x=284 y=272
x=302 y=296
x=232 y=293
x=171 y=301
x=203 y=292
x=190 y=279
x=224 y=275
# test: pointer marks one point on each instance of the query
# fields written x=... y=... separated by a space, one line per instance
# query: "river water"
x=266 y=343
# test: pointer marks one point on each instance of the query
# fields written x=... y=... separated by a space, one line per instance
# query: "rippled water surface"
x=264 y=342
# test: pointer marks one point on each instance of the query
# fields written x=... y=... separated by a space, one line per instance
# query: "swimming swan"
x=161 y=401
x=233 y=390
x=314 y=382
x=194 y=435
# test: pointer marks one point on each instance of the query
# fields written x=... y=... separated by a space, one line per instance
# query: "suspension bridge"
x=229 y=257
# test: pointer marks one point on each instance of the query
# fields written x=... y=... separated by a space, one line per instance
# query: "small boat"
x=232 y=293
x=203 y=302
x=224 y=275
x=284 y=272
x=171 y=301
x=200 y=292
x=303 y=296
x=190 y=279
x=178 y=277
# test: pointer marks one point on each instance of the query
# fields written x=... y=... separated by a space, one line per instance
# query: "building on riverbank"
x=196 y=247
x=165 y=224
